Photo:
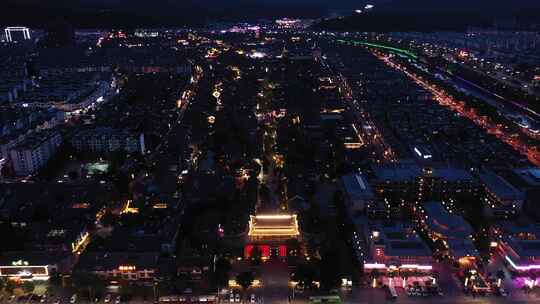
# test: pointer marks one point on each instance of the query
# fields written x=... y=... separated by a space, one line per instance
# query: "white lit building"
x=105 y=140
x=34 y=152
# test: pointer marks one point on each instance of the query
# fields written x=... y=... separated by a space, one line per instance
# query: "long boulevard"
x=447 y=100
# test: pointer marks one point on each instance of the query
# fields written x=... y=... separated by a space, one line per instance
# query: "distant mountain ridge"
x=429 y=15
x=91 y=13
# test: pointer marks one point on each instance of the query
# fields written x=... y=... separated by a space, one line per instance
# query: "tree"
x=374 y=274
x=245 y=279
x=88 y=282
x=405 y=275
x=73 y=175
x=10 y=286
x=293 y=247
x=28 y=287
x=59 y=33
x=221 y=272
x=180 y=285
x=55 y=279
x=330 y=270
x=391 y=275
x=127 y=291
x=305 y=275
x=533 y=277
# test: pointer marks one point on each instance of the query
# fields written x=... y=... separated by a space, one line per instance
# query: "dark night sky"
x=89 y=12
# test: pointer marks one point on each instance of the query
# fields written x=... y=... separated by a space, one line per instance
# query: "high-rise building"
x=34 y=152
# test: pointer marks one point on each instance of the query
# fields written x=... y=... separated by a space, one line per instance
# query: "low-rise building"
x=128 y=266
x=358 y=193
x=454 y=232
x=397 y=247
x=47 y=227
x=527 y=179
x=519 y=245
x=133 y=252
x=410 y=182
x=502 y=200
x=30 y=266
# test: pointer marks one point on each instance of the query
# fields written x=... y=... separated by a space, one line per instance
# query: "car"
x=252 y=298
x=22 y=299
x=107 y=298
x=237 y=297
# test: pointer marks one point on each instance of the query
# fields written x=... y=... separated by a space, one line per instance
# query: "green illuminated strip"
x=381 y=46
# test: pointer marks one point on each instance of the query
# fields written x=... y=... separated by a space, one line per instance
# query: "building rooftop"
x=357 y=187
x=459 y=248
x=530 y=176
x=500 y=187
x=398 y=239
x=35 y=140
x=441 y=221
x=399 y=172
x=451 y=174
x=524 y=239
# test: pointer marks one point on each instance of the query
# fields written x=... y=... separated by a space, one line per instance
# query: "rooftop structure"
x=422 y=152
x=269 y=226
x=358 y=192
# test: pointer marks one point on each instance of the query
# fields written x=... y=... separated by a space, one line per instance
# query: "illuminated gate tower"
x=8 y=31
x=269 y=232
